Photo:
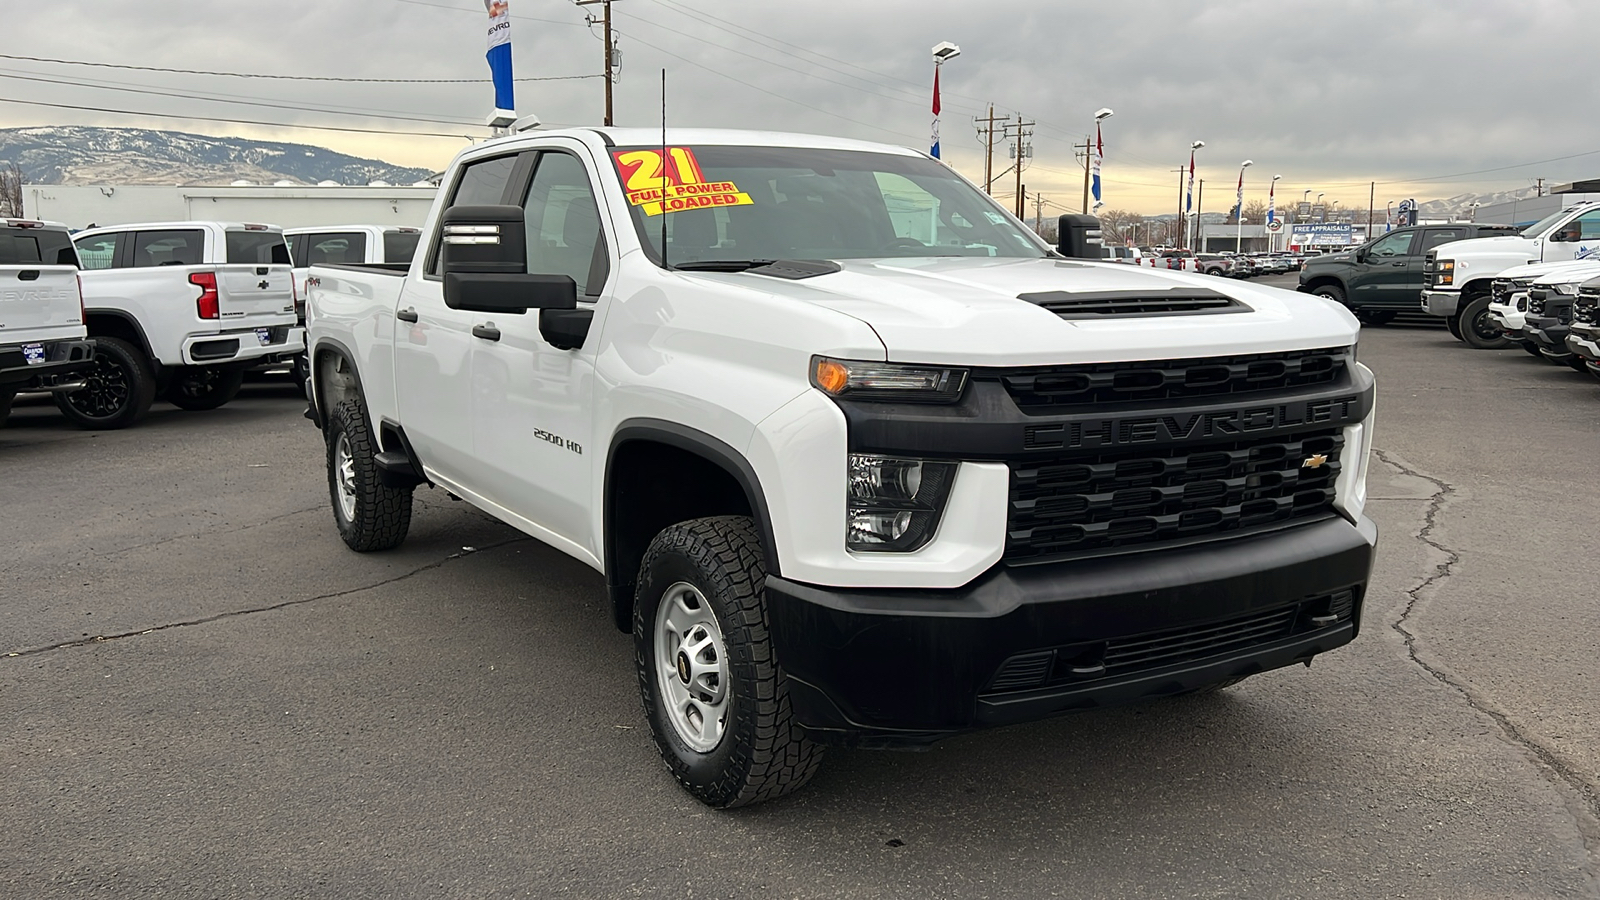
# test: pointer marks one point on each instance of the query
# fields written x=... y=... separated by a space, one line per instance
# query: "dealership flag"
x=1099 y=155
x=1238 y=199
x=500 y=55
x=935 y=150
x=1272 y=204
x=1188 y=199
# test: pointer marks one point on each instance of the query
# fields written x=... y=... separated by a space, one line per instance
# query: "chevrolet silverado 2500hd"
x=863 y=461
x=42 y=337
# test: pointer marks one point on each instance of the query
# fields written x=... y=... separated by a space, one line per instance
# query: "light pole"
x=1189 y=216
x=1473 y=215
x=1238 y=207
x=1091 y=160
x=1319 y=203
x=942 y=53
x=1272 y=214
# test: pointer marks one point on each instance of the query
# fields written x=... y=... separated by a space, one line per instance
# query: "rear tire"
x=1477 y=331
x=198 y=388
x=1376 y=316
x=717 y=706
x=369 y=514
x=120 y=388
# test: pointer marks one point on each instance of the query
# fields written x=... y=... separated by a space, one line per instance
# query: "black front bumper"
x=1548 y=333
x=62 y=359
x=907 y=667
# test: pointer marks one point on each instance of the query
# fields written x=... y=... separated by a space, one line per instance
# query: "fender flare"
x=692 y=440
x=124 y=315
x=314 y=393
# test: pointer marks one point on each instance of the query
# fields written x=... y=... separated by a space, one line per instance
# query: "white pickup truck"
x=1508 y=304
x=1458 y=278
x=180 y=309
x=42 y=335
x=863 y=461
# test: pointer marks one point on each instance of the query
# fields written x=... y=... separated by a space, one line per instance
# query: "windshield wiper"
x=722 y=265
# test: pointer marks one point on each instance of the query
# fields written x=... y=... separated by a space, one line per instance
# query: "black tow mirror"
x=484 y=260
x=1079 y=237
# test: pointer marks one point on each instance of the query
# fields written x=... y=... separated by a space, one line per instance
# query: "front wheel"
x=1478 y=331
x=1454 y=324
x=204 y=387
x=717 y=706
x=369 y=514
x=118 y=388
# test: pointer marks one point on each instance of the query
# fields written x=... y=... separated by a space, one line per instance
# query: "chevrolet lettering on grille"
x=1178 y=427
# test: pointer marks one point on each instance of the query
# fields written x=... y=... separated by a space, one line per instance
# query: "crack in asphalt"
x=231 y=614
x=1585 y=805
x=207 y=534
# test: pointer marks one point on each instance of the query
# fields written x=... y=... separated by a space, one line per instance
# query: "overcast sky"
x=1329 y=94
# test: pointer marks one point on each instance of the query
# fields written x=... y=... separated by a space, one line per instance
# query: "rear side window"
x=257 y=248
x=1436 y=236
x=335 y=249
x=99 y=252
x=400 y=246
x=482 y=183
x=168 y=248
x=21 y=246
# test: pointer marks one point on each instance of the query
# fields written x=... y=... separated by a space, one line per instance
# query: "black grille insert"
x=1135 y=304
x=1087 y=504
x=1132 y=654
x=1058 y=388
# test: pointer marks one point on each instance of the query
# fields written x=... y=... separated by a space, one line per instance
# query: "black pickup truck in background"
x=1382 y=277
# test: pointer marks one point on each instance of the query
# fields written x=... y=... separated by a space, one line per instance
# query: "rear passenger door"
x=532 y=415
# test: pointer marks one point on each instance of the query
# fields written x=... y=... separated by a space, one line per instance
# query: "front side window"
x=563 y=223
x=481 y=183
x=169 y=248
x=98 y=252
x=1397 y=244
x=751 y=203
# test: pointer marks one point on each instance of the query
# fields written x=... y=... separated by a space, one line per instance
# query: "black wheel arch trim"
x=124 y=315
x=314 y=404
x=618 y=584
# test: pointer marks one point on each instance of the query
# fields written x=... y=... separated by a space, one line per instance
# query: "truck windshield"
x=40 y=246
x=1544 y=224
x=770 y=203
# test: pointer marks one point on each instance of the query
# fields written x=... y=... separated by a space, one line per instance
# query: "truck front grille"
x=1058 y=388
x=1085 y=504
x=1134 y=654
x=1586 y=309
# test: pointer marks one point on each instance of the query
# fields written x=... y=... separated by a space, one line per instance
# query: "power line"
x=399 y=117
x=104 y=65
x=156 y=115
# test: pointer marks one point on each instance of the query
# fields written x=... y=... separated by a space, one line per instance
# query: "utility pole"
x=1372 y=199
x=988 y=132
x=1199 y=203
x=1087 y=147
x=1038 y=212
x=1024 y=131
x=1538 y=187
x=611 y=50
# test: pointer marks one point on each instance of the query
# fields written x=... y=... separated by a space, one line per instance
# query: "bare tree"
x=10 y=189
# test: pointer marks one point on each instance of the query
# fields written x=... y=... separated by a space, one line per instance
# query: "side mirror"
x=484 y=260
x=1079 y=237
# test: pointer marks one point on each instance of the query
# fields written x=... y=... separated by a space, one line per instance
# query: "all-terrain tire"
x=5 y=406
x=762 y=753
x=369 y=514
x=198 y=388
x=1477 y=331
x=120 y=388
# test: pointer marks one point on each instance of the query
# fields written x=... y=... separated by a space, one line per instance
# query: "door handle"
x=1397 y=265
x=486 y=331
x=409 y=314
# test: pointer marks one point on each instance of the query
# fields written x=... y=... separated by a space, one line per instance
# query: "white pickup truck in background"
x=180 y=309
x=42 y=334
x=324 y=245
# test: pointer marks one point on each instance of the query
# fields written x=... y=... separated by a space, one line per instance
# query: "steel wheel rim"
x=1483 y=328
x=691 y=663
x=106 y=391
x=344 y=477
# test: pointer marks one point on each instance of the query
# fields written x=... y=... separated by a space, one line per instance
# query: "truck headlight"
x=893 y=505
x=1446 y=273
x=887 y=382
x=1567 y=290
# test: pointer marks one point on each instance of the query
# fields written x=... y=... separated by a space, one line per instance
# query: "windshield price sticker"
x=674 y=183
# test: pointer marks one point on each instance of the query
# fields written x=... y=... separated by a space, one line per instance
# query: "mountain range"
x=79 y=154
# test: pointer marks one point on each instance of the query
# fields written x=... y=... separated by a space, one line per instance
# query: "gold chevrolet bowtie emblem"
x=1314 y=462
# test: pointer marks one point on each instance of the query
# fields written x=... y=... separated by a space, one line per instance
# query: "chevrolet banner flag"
x=500 y=56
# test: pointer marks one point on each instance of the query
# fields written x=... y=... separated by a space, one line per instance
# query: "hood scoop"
x=1135 y=304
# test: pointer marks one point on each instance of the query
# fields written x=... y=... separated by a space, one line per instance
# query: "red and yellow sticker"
x=673 y=183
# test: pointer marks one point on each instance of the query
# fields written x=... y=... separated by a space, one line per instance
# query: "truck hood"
x=968 y=311
x=1538 y=271
x=1503 y=247
x=1569 y=273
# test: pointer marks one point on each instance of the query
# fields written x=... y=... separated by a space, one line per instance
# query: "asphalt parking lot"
x=206 y=695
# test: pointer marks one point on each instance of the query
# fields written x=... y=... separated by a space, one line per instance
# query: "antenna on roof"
x=665 y=161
